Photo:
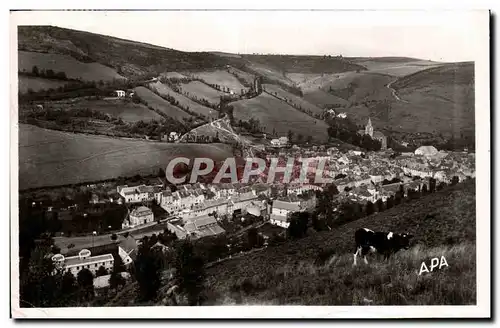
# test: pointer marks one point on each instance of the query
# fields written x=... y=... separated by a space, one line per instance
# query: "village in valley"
x=153 y=207
x=102 y=224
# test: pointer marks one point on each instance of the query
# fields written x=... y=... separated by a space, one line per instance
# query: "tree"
x=101 y=271
x=390 y=202
x=85 y=280
x=68 y=285
x=298 y=225
x=254 y=239
x=147 y=272
x=432 y=185
x=38 y=286
x=190 y=272
x=370 y=208
x=380 y=205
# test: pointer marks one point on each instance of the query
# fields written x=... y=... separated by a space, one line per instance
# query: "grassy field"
x=126 y=110
x=247 y=77
x=295 y=273
x=184 y=101
x=323 y=99
x=37 y=84
x=270 y=73
x=202 y=91
x=295 y=100
x=173 y=75
x=73 y=68
x=160 y=104
x=438 y=99
x=222 y=78
x=276 y=114
x=50 y=158
x=396 y=66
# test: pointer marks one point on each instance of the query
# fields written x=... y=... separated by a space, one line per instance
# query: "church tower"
x=369 y=128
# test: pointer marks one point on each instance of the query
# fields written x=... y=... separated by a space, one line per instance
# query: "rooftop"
x=76 y=260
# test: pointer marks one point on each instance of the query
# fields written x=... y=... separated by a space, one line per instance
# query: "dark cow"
x=385 y=243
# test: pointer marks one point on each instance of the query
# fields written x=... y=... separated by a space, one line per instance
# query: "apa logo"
x=434 y=263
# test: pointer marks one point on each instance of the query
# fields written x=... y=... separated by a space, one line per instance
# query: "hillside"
x=126 y=110
x=130 y=58
x=200 y=90
x=161 y=104
x=437 y=99
x=304 y=64
x=73 y=68
x=276 y=115
x=299 y=272
x=395 y=66
x=292 y=99
x=36 y=84
x=222 y=78
x=163 y=89
x=50 y=158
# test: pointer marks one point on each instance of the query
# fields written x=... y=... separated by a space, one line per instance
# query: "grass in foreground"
x=337 y=282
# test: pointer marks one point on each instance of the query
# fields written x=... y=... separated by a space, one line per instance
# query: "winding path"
x=393 y=91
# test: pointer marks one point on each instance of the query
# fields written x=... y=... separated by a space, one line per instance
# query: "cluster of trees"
x=344 y=93
x=65 y=117
x=48 y=74
x=154 y=129
x=252 y=125
x=195 y=138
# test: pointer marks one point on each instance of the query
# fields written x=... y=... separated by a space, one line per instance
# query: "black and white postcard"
x=270 y=164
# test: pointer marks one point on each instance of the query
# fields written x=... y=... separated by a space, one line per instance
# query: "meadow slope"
x=161 y=104
x=277 y=115
x=73 y=68
x=164 y=90
x=50 y=158
x=318 y=268
x=296 y=101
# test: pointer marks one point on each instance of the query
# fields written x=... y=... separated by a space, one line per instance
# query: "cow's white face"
x=405 y=240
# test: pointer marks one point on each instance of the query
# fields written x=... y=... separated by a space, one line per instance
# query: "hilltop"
x=129 y=58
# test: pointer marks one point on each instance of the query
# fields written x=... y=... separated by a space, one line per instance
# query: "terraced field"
x=126 y=110
x=222 y=78
x=276 y=114
x=202 y=91
x=73 y=68
x=183 y=100
x=161 y=104
x=51 y=158
x=293 y=99
x=37 y=84
x=247 y=77
x=173 y=75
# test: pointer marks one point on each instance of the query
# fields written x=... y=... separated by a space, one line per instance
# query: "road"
x=393 y=91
